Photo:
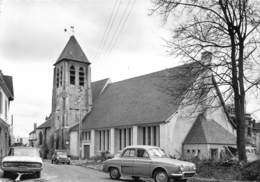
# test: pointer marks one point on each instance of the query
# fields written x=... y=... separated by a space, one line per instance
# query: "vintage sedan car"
x=60 y=156
x=23 y=160
x=148 y=161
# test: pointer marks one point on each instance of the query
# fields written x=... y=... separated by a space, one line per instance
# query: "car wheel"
x=136 y=178
x=114 y=173
x=38 y=174
x=160 y=176
x=68 y=163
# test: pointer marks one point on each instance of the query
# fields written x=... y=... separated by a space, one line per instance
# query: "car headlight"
x=7 y=164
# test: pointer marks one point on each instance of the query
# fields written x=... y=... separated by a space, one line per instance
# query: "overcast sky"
x=32 y=37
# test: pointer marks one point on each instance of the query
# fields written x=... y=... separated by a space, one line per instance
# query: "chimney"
x=206 y=58
x=34 y=126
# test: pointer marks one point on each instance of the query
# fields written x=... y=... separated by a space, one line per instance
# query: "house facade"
x=6 y=96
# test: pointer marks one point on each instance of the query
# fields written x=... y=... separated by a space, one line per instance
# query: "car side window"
x=142 y=153
x=129 y=153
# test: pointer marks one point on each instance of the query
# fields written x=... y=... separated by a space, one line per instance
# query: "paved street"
x=69 y=173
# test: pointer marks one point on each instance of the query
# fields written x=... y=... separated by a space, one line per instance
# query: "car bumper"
x=183 y=175
x=21 y=170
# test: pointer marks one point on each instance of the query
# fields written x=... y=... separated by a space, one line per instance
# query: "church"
x=89 y=118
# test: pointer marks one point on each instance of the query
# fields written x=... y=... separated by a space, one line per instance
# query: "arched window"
x=40 y=138
x=72 y=75
x=81 y=76
x=57 y=77
x=61 y=75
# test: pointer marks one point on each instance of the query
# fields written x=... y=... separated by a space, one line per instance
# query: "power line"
x=122 y=25
x=111 y=20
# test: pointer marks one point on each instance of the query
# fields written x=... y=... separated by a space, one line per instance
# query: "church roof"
x=209 y=132
x=46 y=124
x=73 y=51
x=150 y=98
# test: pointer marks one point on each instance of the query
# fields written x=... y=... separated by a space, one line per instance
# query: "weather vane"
x=71 y=30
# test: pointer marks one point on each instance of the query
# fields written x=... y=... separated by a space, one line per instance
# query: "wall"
x=74 y=147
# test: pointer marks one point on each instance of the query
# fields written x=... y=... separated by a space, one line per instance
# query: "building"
x=45 y=138
x=6 y=96
x=154 y=109
x=71 y=91
x=32 y=136
x=250 y=134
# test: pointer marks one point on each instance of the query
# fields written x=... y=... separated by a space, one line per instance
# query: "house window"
x=57 y=77
x=81 y=76
x=193 y=151
x=72 y=75
x=188 y=151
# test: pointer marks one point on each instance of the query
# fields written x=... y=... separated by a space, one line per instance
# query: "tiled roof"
x=98 y=87
x=150 y=98
x=73 y=51
x=46 y=124
x=209 y=132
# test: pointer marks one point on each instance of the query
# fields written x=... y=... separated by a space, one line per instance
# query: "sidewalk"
x=88 y=163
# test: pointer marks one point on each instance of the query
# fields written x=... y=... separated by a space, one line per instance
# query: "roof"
x=32 y=132
x=9 y=82
x=150 y=98
x=46 y=124
x=73 y=51
x=209 y=132
x=6 y=82
x=98 y=87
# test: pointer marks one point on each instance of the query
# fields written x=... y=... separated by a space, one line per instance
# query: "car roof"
x=141 y=146
x=22 y=147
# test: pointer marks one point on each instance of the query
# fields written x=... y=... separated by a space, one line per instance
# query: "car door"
x=142 y=166
x=127 y=162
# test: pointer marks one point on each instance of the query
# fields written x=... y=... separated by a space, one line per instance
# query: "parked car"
x=23 y=160
x=60 y=156
x=148 y=161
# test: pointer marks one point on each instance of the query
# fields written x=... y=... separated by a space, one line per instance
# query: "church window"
x=72 y=75
x=81 y=76
x=61 y=74
x=57 y=77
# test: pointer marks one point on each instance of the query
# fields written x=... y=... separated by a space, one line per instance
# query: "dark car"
x=60 y=156
x=148 y=161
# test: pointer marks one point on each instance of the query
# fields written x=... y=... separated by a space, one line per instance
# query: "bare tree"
x=229 y=29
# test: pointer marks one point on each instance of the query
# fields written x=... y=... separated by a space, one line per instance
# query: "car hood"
x=22 y=159
x=174 y=162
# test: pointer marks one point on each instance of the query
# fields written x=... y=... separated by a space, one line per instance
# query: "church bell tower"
x=71 y=97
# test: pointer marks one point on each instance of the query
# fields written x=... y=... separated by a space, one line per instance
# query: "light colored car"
x=148 y=161
x=23 y=160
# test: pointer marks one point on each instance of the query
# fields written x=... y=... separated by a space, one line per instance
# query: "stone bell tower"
x=71 y=97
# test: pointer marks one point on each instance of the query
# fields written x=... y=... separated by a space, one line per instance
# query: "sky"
x=32 y=37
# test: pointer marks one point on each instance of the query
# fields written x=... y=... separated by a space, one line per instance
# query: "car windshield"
x=32 y=152
x=62 y=153
x=157 y=152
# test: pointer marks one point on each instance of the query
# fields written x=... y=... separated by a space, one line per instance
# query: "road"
x=69 y=173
